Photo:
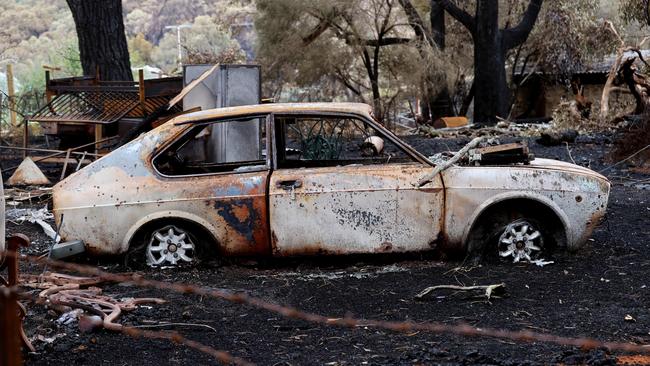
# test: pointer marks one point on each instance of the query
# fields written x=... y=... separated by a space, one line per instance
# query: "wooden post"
x=141 y=91
x=11 y=92
x=48 y=94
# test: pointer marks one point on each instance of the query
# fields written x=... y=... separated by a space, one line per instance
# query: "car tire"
x=513 y=236
x=167 y=244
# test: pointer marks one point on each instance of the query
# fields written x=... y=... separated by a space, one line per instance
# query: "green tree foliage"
x=36 y=33
x=636 y=11
x=140 y=50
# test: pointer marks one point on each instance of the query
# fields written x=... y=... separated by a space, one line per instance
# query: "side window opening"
x=332 y=141
x=225 y=146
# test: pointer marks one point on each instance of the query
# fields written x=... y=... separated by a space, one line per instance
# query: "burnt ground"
x=589 y=293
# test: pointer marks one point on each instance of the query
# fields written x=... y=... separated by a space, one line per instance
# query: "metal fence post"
x=10 y=353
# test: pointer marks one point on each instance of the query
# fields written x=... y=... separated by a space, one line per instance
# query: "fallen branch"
x=163 y=325
x=454 y=159
x=489 y=290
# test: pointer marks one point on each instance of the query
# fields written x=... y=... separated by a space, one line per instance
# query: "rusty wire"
x=347 y=322
x=219 y=355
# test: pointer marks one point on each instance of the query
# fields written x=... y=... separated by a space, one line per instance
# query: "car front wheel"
x=521 y=240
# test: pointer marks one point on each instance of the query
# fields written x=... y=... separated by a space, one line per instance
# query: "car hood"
x=551 y=164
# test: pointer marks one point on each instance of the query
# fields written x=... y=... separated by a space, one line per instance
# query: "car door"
x=318 y=204
x=224 y=188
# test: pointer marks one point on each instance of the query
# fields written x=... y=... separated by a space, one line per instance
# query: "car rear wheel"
x=170 y=245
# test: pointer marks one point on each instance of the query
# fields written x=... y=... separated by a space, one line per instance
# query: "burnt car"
x=315 y=178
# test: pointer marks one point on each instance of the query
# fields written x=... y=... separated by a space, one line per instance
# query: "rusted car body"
x=264 y=208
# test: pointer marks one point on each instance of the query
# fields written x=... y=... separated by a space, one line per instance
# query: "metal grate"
x=100 y=107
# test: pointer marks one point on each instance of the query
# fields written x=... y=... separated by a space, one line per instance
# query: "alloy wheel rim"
x=170 y=246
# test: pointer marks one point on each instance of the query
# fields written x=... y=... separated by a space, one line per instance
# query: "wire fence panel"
x=464 y=330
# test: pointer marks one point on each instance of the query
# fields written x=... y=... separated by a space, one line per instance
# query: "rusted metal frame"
x=124 y=107
x=92 y=100
x=15 y=310
x=13 y=244
x=98 y=88
x=66 y=104
x=81 y=160
x=150 y=105
x=153 y=103
x=273 y=150
x=10 y=354
x=65 y=164
x=87 y=107
x=48 y=109
x=73 y=149
x=118 y=83
x=111 y=113
x=75 y=121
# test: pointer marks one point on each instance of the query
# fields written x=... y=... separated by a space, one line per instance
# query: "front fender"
x=502 y=197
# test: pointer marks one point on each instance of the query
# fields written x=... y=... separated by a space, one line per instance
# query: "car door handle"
x=288 y=185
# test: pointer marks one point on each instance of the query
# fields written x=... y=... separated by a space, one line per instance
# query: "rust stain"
x=633 y=359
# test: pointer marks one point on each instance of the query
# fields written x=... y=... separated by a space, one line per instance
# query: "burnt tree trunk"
x=436 y=102
x=437 y=17
x=102 y=42
x=492 y=95
x=441 y=102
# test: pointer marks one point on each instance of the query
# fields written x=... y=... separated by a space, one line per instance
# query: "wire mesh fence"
x=462 y=330
x=15 y=111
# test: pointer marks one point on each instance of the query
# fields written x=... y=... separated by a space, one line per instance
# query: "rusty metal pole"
x=14 y=243
x=10 y=353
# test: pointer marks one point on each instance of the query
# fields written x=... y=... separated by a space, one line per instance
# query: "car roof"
x=278 y=108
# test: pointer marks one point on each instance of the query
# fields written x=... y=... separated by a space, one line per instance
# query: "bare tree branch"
x=459 y=14
x=416 y=22
x=513 y=37
x=316 y=32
